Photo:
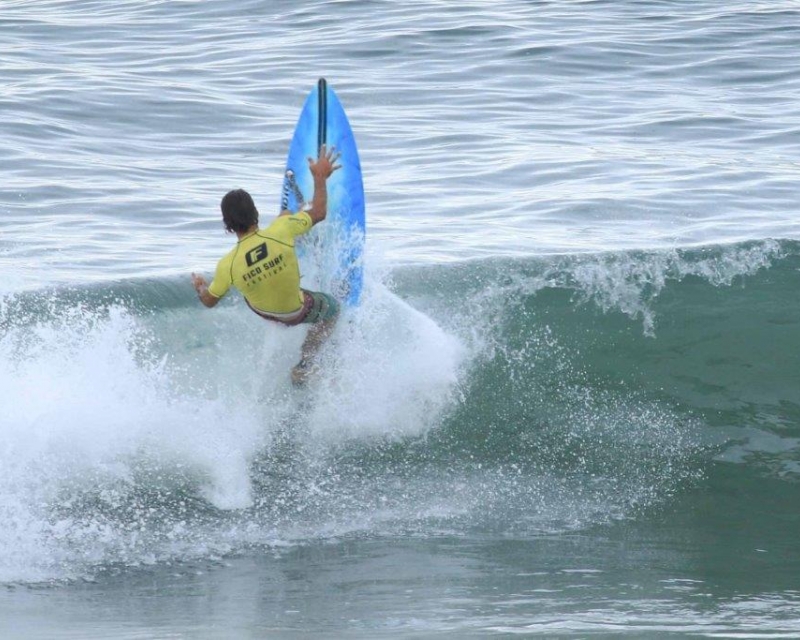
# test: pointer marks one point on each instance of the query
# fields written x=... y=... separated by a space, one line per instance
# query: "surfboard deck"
x=331 y=254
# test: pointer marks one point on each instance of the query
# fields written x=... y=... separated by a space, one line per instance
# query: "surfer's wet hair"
x=239 y=212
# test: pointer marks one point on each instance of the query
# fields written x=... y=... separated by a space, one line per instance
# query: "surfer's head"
x=239 y=212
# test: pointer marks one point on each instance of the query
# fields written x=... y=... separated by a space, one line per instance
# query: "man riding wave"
x=263 y=265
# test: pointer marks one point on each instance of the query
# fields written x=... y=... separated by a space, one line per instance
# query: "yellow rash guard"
x=263 y=266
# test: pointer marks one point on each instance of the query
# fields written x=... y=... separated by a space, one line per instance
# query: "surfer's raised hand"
x=325 y=164
x=322 y=169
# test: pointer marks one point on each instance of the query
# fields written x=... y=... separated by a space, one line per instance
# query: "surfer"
x=263 y=265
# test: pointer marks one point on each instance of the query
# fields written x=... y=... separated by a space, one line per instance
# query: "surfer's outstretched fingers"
x=330 y=154
x=333 y=155
x=326 y=161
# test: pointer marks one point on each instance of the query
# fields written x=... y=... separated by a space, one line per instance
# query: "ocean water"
x=569 y=405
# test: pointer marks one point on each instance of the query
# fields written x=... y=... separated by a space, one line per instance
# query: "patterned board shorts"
x=324 y=307
x=317 y=307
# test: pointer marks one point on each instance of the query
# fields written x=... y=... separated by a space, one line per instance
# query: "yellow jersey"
x=263 y=266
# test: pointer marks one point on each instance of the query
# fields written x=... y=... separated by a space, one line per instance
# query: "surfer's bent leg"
x=322 y=316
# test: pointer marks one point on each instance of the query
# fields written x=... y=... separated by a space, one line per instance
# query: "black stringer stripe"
x=322 y=124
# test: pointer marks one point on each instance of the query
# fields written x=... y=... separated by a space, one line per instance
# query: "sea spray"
x=86 y=419
x=137 y=435
x=627 y=282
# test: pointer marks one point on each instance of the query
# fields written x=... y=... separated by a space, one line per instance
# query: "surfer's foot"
x=303 y=370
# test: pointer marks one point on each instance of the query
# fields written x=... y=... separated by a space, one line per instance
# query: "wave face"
x=512 y=397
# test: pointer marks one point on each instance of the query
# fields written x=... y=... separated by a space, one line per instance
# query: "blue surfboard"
x=331 y=254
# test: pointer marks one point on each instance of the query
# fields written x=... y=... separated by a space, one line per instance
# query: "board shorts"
x=317 y=307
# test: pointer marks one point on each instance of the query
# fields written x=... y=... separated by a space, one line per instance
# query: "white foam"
x=390 y=372
x=83 y=409
x=100 y=403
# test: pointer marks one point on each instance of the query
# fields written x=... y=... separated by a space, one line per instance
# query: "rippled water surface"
x=504 y=128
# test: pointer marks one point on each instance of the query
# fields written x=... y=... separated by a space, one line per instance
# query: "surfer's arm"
x=201 y=286
x=322 y=169
x=319 y=204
